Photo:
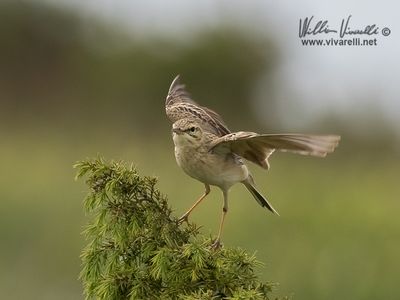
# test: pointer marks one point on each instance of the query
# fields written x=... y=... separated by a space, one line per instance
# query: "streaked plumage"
x=258 y=147
x=207 y=151
x=179 y=105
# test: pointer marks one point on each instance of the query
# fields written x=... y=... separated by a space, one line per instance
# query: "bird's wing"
x=179 y=105
x=258 y=147
x=177 y=93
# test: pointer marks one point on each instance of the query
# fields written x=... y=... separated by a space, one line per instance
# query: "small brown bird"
x=207 y=151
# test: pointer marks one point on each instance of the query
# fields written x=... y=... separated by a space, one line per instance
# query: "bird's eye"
x=192 y=129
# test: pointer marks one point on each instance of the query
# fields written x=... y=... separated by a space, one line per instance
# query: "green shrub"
x=137 y=249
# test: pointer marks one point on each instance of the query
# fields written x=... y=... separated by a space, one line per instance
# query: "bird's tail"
x=249 y=183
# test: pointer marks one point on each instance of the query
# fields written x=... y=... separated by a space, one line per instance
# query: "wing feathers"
x=258 y=147
x=177 y=93
x=316 y=145
x=251 y=146
x=179 y=105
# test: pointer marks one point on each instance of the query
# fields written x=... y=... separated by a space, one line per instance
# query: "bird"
x=208 y=151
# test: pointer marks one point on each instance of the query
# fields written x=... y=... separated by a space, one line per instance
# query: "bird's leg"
x=217 y=242
x=186 y=214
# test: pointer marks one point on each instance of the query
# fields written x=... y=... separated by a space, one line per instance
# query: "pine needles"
x=137 y=249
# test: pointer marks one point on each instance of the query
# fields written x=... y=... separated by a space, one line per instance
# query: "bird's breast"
x=211 y=168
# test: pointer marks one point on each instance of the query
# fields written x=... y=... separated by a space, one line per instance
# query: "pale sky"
x=313 y=79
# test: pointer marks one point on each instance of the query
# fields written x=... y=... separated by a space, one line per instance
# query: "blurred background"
x=82 y=78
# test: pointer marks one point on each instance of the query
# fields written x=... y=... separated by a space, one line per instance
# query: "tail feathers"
x=259 y=198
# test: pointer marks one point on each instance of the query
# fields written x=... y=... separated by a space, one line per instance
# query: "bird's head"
x=187 y=132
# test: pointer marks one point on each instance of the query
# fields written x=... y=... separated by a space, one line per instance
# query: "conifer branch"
x=137 y=249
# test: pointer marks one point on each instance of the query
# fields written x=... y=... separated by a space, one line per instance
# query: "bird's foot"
x=184 y=218
x=217 y=244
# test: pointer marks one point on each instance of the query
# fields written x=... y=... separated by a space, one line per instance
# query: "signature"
x=308 y=27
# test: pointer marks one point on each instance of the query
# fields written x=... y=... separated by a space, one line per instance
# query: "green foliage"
x=137 y=249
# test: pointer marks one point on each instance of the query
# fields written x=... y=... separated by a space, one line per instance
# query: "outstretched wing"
x=258 y=147
x=177 y=94
x=179 y=105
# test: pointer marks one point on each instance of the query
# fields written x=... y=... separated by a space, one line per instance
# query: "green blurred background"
x=74 y=86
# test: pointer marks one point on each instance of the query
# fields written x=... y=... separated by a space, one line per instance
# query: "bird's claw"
x=184 y=218
x=216 y=245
